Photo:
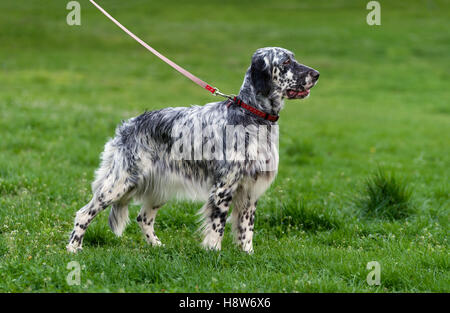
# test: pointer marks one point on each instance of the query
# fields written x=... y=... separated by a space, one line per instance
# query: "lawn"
x=382 y=105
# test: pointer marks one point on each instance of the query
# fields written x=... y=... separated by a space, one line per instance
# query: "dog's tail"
x=118 y=219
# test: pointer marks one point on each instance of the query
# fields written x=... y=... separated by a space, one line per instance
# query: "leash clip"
x=218 y=93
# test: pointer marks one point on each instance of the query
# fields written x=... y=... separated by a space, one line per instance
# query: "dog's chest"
x=256 y=186
x=263 y=171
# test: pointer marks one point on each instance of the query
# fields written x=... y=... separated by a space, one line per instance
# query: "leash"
x=231 y=98
x=181 y=70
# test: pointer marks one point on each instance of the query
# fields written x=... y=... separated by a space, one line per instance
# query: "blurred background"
x=381 y=104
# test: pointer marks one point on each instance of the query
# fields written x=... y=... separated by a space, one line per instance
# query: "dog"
x=154 y=157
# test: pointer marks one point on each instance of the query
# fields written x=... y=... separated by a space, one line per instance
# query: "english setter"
x=190 y=152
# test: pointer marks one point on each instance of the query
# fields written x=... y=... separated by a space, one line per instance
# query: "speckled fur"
x=142 y=161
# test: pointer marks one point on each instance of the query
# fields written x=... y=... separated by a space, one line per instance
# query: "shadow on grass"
x=99 y=235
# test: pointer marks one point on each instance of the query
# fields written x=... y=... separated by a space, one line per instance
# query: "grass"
x=385 y=196
x=382 y=101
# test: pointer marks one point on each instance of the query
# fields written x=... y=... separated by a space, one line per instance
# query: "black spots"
x=76 y=239
x=223 y=193
x=149 y=222
x=247 y=216
x=225 y=201
x=214 y=226
x=77 y=224
x=147 y=235
x=252 y=219
x=139 y=218
x=71 y=235
x=215 y=213
x=145 y=219
x=223 y=217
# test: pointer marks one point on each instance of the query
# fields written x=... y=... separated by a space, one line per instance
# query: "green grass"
x=385 y=196
x=382 y=101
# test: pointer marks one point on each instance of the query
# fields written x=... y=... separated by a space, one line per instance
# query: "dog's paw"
x=157 y=243
x=247 y=248
x=154 y=241
x=209 y=244
x=73 y=249
x=248 y=251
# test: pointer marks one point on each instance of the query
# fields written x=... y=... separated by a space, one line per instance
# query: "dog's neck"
x=272 y=104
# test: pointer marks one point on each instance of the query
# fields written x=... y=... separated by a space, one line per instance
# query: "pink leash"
x=195 y=79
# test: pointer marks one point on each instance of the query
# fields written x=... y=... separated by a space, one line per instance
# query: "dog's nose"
x=314 y=75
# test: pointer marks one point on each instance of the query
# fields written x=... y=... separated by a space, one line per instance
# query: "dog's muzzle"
x=304 y=90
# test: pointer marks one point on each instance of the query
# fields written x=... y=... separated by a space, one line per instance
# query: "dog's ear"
x=261 y=76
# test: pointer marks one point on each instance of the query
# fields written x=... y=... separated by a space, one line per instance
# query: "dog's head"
x=275 y=72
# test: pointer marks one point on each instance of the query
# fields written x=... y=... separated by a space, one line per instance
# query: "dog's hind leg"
x=146 y=220
x=116 y=192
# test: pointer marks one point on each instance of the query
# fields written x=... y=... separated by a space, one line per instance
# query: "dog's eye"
x=287 y=62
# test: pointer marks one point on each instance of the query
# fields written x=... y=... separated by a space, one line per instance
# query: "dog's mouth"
x=297 y=94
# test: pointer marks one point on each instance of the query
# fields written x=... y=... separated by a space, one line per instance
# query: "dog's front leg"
x=243 y=220
x=215 y=213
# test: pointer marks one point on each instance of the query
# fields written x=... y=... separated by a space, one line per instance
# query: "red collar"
x=264 y=115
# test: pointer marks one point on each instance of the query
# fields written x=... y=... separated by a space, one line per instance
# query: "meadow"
x=364 y=161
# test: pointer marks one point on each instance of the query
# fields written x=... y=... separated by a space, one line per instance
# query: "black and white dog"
x=210 y=153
